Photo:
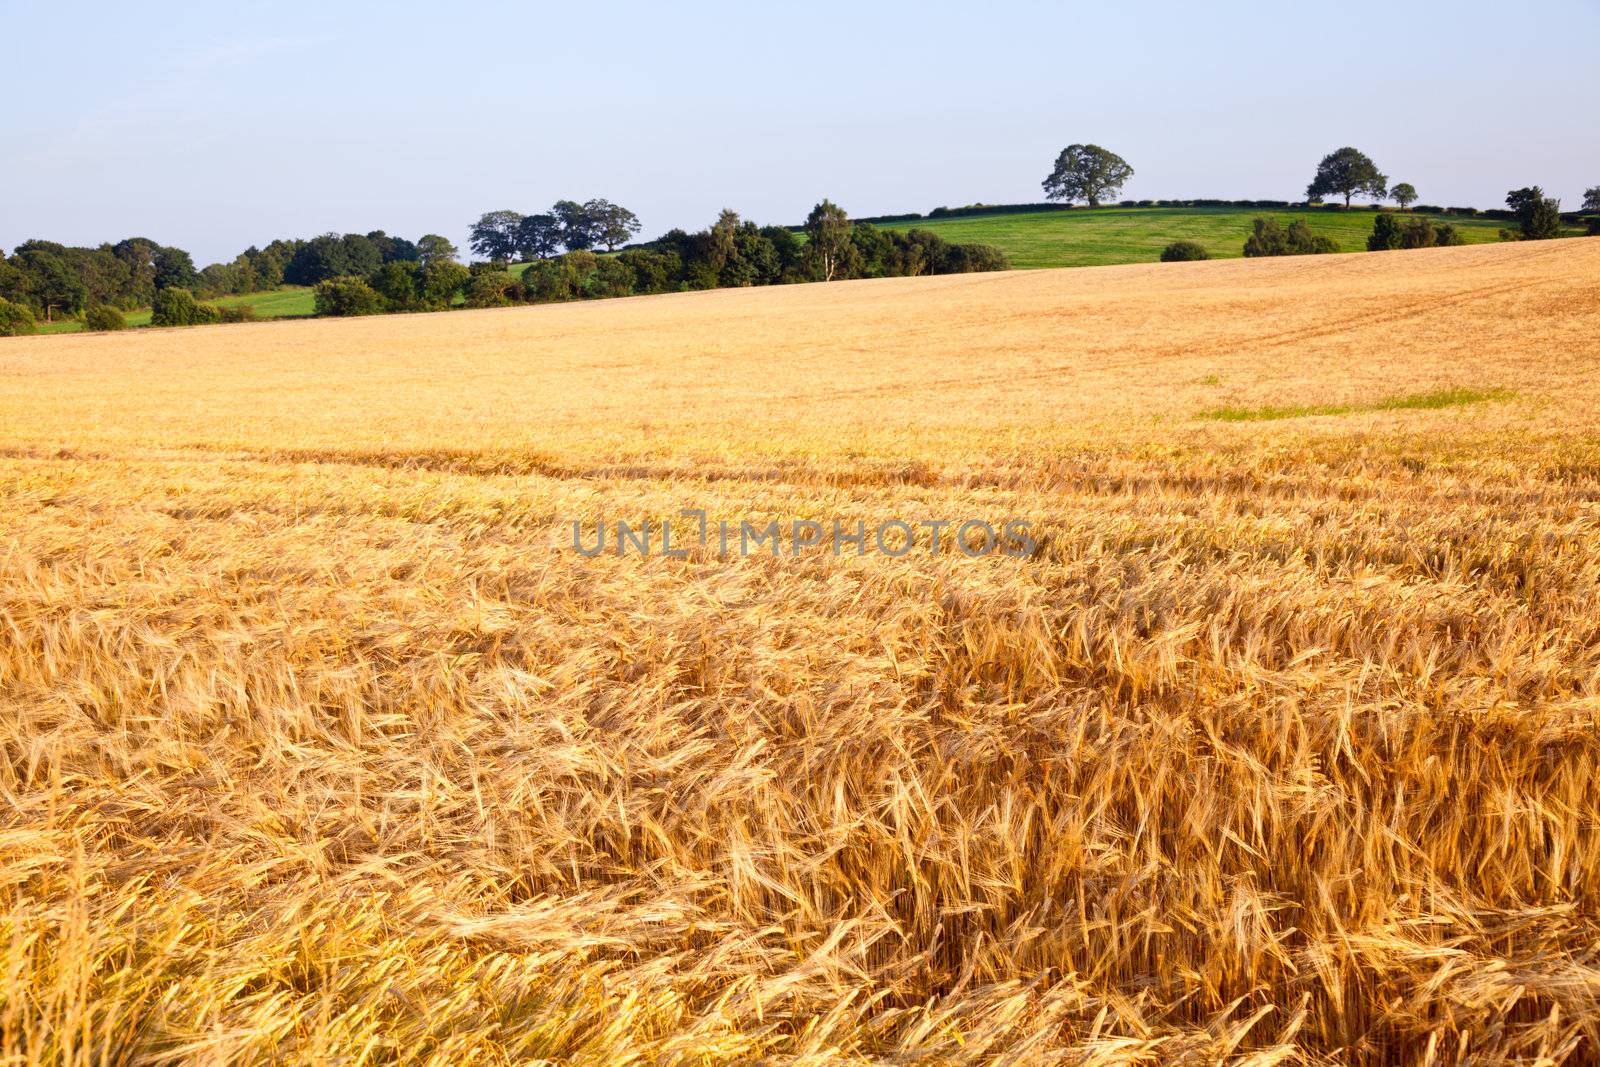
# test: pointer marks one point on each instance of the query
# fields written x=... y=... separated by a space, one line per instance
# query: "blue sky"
x=218 y=126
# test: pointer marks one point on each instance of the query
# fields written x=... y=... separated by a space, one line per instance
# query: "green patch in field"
x=290 y=302
x=1093 y=237
x=1439 y=398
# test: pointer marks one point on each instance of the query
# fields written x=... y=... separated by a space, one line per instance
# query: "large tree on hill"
x=318 y=260
x=539 y=236
x=363 y=255
x=1591 y=199
x=579 y=229
x=53 y=286
x=139 y=253
x=174 y=269
x=393 y=249
x=1404 y=194
x=614 y=225
x=494 y=235
x=431 y=248
x=828 y=247
x=1346 y=173
x=1538 y=216
x=1087 y=172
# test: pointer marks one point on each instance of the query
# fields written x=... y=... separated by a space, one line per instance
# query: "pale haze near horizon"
x=217 y=127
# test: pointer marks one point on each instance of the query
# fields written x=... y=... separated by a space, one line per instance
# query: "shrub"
x=440 y=282
x=346 y=295
x=653 y=271
x=1267 y=239
x=1459 y=210
x=611 y=277
x=397 y=282
x=1416 y=232
x=490 y=288
x=1541 y=220
x=548 y=280
x=104 y=317
x=972 y=258
x=175 y=306
x=1594 y=225
x=1271 y=239
x=1302 y=242
x=237 y=313
x=947 y=258
x=562 y=278
x=15 y=319
x=1385 y=234
x=1446 y=234
x=1184 y=251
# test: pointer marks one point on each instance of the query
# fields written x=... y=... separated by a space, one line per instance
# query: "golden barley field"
x=322 y=744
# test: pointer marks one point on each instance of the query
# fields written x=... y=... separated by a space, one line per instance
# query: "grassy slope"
x=286 y=303
x=289 y=302
x=1090 y=238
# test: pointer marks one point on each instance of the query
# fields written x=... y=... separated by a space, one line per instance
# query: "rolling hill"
x=1094 y=237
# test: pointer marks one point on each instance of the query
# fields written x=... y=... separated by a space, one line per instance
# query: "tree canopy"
x=1087 y=172
x=828 y=244
x=1347 y=172
x=431 y=248
x=494 y=235
x=614 y=225
x=539 y=236
x=1268 y=237
x=1538 y=216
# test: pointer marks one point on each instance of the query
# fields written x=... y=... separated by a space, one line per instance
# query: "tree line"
x=730 y=253
x=374 y=272
x=1348 y=172
x=360 y=274
x=567 y=226
x=1096 y=175
x=49 y=281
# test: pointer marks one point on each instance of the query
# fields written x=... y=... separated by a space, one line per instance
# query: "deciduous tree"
x=1087 y=172
x=494 y=235
x=614 y=225
x=538 y=236
x=431 y=248
x=346 y=295
x=174 y=267
x=1538 y=216
x=578 y=228
x=1345 y=173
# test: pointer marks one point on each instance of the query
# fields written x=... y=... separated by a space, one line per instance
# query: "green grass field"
x=1101 y=236
x=290 y=302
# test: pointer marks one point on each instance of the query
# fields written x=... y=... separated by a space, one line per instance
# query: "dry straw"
x=321 y=746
